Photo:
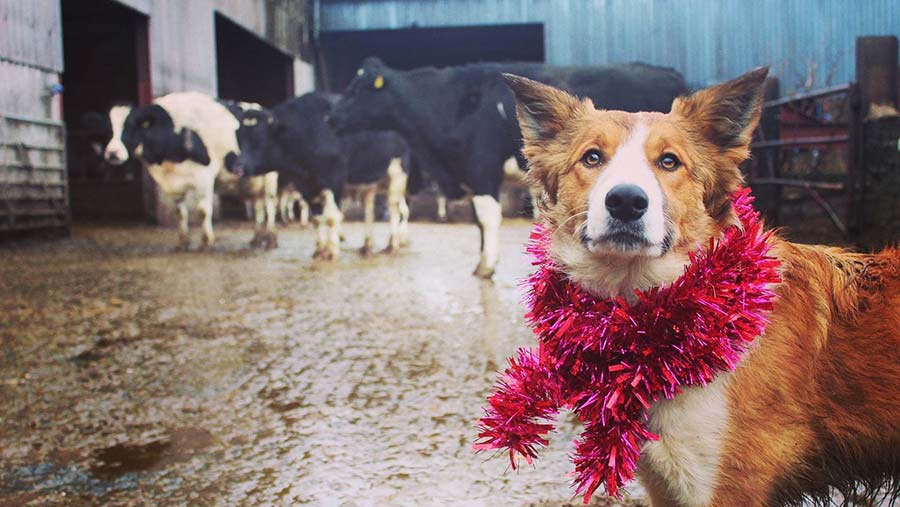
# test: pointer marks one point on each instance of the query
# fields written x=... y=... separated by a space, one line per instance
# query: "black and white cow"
x=184 y=140
x=295 y=140
x=461 y=125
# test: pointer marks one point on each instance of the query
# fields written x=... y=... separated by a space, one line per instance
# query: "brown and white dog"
x=815 y=404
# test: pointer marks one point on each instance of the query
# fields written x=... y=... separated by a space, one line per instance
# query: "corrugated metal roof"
x=708 y=40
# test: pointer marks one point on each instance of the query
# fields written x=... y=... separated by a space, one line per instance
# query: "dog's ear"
x=543 y=111
x=726 y=114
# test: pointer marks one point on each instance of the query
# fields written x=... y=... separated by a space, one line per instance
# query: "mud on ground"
x=132 y=375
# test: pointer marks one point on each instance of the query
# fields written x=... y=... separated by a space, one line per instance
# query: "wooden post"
x=876 y=70
x=876 y=83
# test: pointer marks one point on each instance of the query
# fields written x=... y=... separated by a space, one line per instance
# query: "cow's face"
x=115 y=152
x=254 y=137
x=149 y=133
x=369 y=101
x=97 y=131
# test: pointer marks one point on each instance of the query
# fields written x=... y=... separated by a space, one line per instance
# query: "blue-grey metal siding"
x=708 y=40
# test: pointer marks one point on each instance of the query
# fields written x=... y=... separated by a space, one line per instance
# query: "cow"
x=184 y=140
x=290 y=198
x=295 y=140
x=461 y=124
x=260 y=191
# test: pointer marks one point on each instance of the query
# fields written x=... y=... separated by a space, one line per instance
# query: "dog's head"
x=635 y=192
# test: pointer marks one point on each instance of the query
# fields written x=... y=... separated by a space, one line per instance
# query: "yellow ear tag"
x=379 y=82
x=145 y=124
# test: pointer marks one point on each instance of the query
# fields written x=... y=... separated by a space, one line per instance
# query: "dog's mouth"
x=625 y=241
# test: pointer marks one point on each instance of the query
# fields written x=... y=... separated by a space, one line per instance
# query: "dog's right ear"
x=543 y=111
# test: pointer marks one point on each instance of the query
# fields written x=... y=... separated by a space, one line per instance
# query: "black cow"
x=295 y=140
x=460 y=121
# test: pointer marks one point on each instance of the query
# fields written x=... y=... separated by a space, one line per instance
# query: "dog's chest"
x=687 y=456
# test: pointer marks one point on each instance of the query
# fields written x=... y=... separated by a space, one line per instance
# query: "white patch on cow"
x=360 y=71
x=398 y=211
x=489 y=214
x=501 y=110
x=689 y=451
x=512 y=173
x=629 y=165
x=115 y=152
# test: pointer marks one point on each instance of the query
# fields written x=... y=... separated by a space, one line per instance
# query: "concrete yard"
x=133 y=375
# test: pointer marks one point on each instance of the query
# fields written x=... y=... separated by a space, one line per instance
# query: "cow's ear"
x=543 y=111
x=726 y=114
x=193 y=147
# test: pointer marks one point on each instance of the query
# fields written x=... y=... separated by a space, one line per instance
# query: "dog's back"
x=818 y=403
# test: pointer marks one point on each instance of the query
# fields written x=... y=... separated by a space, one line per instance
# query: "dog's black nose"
x=626 y=202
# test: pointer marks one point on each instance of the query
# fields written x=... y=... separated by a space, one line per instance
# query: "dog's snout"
x=626 y=202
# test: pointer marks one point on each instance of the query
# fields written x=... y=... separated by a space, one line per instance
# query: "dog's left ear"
x=543 y=111
x=727 y=114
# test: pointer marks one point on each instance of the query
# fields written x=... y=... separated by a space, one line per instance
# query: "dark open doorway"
x=408 y=48
x=106 y=61
x=250 y=69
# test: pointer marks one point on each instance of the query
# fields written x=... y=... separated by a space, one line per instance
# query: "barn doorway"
x=250 y=69
x=106 y=61
x=342 y=52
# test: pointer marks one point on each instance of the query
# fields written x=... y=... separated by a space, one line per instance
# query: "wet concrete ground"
x=132 y=375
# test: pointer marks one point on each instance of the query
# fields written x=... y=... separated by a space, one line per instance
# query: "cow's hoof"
x=317 y=255
x=484 y=272
x=367 y=249
x=343 y=238
x=390 y=249
x=271 y=241
x=181 y=247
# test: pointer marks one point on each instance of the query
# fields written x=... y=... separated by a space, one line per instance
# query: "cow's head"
x=97 y=131
x=254 y=136
x=369 y=101
x=149 y=133
x=115 y=151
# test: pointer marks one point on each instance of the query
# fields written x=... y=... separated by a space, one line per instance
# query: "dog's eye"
x=669 y=162
x=592 y=158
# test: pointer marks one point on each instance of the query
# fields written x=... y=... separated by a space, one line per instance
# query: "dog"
x=814 y=406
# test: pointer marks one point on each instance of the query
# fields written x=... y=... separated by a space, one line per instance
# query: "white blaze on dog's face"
x=629 y=195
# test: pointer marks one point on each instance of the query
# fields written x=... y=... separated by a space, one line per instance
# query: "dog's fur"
x=814 y=407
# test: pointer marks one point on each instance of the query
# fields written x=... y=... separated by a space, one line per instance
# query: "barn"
x=62 y=59
x=708 y=42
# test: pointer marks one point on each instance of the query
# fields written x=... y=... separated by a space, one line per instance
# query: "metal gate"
x=33 y=184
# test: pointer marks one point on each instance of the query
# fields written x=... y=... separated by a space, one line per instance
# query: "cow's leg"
x=304 y=211
x=271 y=203
x=404 y=221
x=328 y=224
x=369 y=210
x=489 y=214
x=184 y=240
x=398 y=211
x=535 y=199
x=283 y=201
x=205 y=206
x=259 y=218
x=441 y=208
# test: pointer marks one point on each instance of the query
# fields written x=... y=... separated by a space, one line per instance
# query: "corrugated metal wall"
x=33 y=188
x=182 y=36
x=707 y=40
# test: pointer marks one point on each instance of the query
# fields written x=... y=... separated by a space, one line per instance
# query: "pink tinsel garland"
x=608 y=360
